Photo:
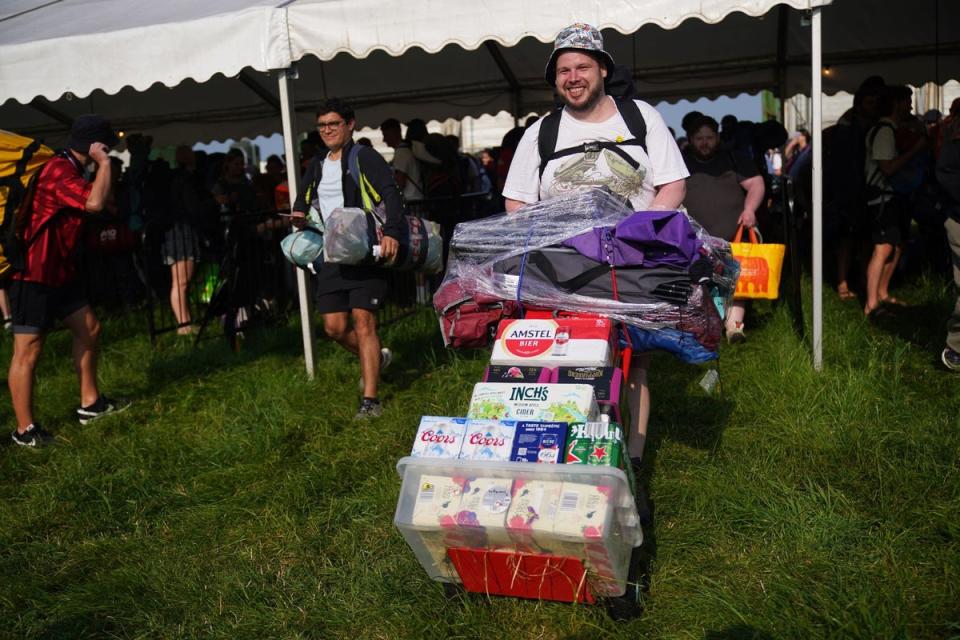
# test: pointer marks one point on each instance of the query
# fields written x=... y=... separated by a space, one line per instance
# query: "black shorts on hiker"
x=889 y=222
x=37 y=306
x=345 y=287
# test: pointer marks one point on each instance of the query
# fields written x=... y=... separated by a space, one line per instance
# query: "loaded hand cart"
x=531 y=494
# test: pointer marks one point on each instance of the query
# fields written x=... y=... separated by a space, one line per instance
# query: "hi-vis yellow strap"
x=368 y=195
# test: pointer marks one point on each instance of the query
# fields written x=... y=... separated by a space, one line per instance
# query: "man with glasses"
x=351 y=292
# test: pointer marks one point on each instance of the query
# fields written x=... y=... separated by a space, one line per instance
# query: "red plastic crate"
x=522 y=575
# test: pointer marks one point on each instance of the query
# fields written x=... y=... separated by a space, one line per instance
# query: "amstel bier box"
x=579 y=342
x=533 y=402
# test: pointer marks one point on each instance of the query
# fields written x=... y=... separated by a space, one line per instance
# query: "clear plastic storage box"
x=584 y=512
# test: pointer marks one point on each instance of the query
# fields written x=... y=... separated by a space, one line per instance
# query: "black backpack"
x=843 y=160
x=629 y=111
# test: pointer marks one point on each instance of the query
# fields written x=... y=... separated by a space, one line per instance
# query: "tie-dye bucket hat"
x=577 y=36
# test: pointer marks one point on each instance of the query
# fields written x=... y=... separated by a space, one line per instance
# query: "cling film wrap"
x=477 y=247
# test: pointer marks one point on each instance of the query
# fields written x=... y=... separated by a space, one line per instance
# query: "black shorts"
x=345 y=287
x=36 y=306
x=337 y=301
x=889 y=222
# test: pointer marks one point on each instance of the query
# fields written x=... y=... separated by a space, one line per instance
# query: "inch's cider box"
x=488 y=440
x=439 y=437
x=606 y=383
x=582 y=342
x=517 y=373
x=533 y=402
x=539 y=442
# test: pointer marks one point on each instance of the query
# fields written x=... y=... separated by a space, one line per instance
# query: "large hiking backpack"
x=21 y=160
x=843 y=160
x=629 y=111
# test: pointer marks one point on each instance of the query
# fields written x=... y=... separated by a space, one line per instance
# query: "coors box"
x=533 y=402
x=439 y=437
x=579 y=342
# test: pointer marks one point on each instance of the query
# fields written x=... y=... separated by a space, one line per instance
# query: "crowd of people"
x=884 y=169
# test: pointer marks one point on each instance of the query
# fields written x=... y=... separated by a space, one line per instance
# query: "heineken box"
x=517 y=373
x=597 y=443
x=606 y=383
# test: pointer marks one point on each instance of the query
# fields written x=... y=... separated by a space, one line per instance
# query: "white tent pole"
x=293 y=181
x=816 y=93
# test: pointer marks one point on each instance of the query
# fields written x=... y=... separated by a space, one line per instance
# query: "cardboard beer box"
x=488 y=440
x=532 y=513
x=584 y=512
x=483 y=509
x=584 y=342
x=435 y=517
x=597 y=443
x=533 y=402
x=439 y=437
x=437 y=502
x=539 y=442
x=606 y=383
x=517 y=373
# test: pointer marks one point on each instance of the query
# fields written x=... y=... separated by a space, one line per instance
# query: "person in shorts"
x=48 y=288
x=354 y=293
x=887 y=208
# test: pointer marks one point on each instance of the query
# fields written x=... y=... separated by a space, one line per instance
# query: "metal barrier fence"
x=238 y=278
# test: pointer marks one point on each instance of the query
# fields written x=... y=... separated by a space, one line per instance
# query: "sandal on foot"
x=846 y=294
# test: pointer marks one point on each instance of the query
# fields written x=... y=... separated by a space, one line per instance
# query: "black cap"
x=88 y=129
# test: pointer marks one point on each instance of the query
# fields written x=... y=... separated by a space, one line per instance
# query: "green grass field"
x=235 y=499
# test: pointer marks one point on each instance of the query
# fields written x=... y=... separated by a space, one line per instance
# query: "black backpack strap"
x=547 y=140
x=631 y=115
x=629 y=111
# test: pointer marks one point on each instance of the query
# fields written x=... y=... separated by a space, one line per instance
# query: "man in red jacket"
x=47 y=288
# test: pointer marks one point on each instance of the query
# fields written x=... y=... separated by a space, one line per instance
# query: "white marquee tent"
x=186 y=71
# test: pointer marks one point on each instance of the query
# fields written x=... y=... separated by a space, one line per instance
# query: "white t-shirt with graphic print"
x=582 y=171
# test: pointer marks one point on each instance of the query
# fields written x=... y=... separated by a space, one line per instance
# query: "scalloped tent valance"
x=184 y=71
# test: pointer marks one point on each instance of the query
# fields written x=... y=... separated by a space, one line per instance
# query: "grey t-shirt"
x=714 y=195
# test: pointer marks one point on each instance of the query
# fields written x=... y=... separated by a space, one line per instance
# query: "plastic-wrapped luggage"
x=352 y=236
x=588 y=252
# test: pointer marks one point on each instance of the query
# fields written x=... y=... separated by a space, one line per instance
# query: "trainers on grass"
x=33 y=436
x=951 y=359
x=369 y=408
x=104 y=406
